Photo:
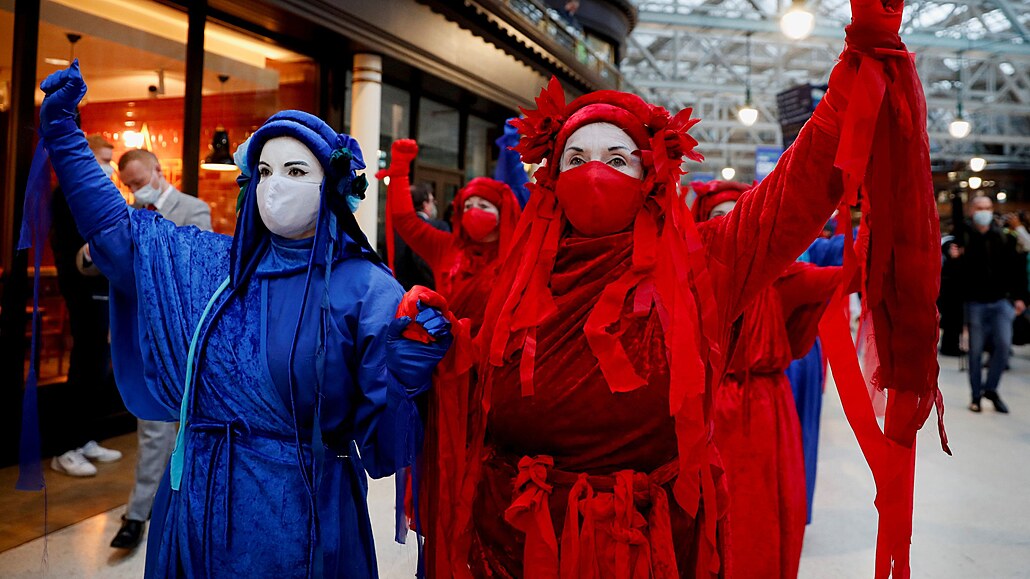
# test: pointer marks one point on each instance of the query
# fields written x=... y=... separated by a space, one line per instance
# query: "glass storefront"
x=480 y=154
x=246 y=80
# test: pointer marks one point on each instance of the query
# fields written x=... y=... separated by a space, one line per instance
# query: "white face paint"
x=602 y=142
x=722 y=209
x=475 y=201
x=289 y=188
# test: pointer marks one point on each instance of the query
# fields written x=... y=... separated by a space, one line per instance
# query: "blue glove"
x=63 y=89
x=412 y=363
x=94 y=201
x=434 y=322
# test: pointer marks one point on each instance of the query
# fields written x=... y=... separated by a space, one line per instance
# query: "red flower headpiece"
x=663 y=140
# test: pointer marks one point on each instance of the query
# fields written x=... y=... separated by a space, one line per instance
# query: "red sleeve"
x=775 y=222
x=805 y=291
x=431 y=244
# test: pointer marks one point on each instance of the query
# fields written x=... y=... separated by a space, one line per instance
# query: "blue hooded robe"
x=291 y=400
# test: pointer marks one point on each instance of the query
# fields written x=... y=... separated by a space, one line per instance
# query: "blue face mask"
x=352 y=203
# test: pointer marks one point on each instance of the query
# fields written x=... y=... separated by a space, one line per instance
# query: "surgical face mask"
x=107 y=169
x=983 y=218
x=288 y=207
x=147 y=194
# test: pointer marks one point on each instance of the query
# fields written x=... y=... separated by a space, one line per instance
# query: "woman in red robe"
x=756 y=424
x=590 y=444
x=465 y=260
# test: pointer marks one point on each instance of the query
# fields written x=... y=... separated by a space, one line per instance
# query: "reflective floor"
x=972 y=511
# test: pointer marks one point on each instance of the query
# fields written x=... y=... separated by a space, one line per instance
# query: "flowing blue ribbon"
x=35 y=224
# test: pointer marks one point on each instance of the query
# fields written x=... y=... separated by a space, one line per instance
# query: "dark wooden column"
x=21 y=141
x=191 y=129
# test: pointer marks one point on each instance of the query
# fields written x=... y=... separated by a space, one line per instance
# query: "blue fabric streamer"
x=510 y=169
x=35 y=225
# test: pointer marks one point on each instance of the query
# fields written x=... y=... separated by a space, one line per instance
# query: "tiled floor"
x=972 y=511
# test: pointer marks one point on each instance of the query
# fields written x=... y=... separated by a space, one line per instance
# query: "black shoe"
x=975 y=406
x=992 y=395
x=129 y=535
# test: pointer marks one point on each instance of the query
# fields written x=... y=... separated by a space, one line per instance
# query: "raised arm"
x=805 y=291
x=774 y=222
x=99 y=211
x=431 y=244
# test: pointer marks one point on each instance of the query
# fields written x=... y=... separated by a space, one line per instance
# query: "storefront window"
x=438 y=134
x=133 y=58
x=480 y=154
x=246 y=80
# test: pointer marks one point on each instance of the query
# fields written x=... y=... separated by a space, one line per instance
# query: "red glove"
x=402 y=153
x=875 y=24
x=409 y=307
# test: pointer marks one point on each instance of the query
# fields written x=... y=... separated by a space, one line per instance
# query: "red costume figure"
x=756 y=424
x=590 y=449
x=464 y=261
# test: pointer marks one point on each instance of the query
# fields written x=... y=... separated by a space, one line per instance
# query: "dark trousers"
x=989 y=322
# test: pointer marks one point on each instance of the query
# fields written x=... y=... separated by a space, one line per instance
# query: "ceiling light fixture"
x=797 y=23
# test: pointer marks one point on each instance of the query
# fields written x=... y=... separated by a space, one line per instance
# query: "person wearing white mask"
x=995 y=292
x=280 y=351
x=140 y=171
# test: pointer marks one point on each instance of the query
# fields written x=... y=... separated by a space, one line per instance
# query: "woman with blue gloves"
x=277 y=350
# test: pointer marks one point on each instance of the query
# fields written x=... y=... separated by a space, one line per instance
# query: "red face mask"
x=598 y=199
x=478 y=223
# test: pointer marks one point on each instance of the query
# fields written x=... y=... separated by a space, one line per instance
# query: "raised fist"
x=64 y=89
x=875 y=24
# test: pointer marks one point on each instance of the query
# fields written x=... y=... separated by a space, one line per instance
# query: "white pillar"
x=366 y=106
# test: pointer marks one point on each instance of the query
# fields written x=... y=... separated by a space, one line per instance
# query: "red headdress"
x=667 y=273
x=497 y=193
x=713 y=193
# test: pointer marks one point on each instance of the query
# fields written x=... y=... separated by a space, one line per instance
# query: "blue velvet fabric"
x=510 y=169
x=807 y=374
x=293 y=399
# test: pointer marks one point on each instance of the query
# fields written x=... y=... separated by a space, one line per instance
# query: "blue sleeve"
x=825 y=252
x=99 y=211
x=173 y=272
x=385 y=415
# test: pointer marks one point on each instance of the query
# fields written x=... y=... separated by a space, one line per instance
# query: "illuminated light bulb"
x=1002 y=196
x=977 y=164
x=728 y=173
x=748 y=115
x=975 y=182
x=132 y=139
x=798 y=22
x=960 y=128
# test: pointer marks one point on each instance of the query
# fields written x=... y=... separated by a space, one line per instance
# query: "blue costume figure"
x=509 y=169
x=276 y=349
x=807 y=374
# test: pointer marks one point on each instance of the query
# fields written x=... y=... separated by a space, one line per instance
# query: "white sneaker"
x=95 y=452
x=73 y=463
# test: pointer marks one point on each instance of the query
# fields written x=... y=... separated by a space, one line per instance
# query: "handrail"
x=550 y=22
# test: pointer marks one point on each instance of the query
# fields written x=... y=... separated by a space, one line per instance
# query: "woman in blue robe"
x=276 y=349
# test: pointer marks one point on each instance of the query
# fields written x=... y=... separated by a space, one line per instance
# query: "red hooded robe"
x=464 y=269
x=756 y=423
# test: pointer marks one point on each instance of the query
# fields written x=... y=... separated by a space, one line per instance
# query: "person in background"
x=757 y=430
x=85 y=295
x=141 y=171
x=464 y=262
x=994 y=291
x=410 y=269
